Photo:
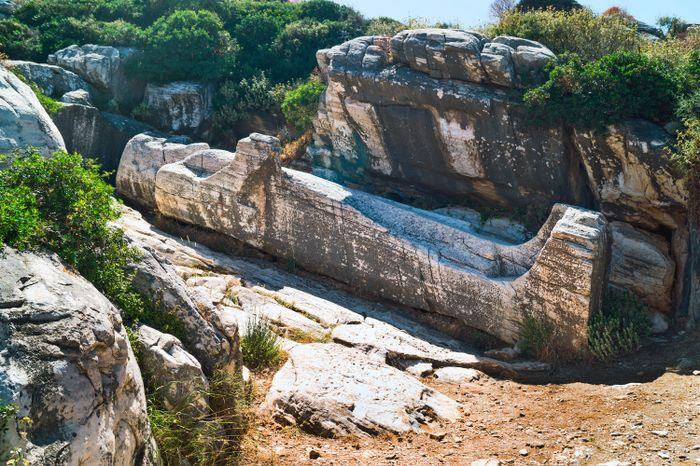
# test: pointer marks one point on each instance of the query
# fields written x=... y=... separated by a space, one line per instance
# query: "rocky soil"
x=643 y=411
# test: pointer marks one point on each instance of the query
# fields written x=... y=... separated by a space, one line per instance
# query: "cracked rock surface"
x=334 y=391
x=66 y=363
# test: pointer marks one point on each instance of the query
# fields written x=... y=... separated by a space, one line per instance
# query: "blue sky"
x=476 y=12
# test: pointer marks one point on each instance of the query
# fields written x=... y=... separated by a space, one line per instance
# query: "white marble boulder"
x=104 y=67
x=52 y=80
x=181 y=107
x=66 y=363
x=23 y=121
x=173 y=374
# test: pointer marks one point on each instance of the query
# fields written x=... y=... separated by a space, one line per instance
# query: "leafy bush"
x=594 y=94
x=619 y=328
x=579 y=31
x=19 y=41
x=187 y=44
x=564 y=5
x=259 y=346
x=120 y=32
x=300 y=104
x=236 y=99
x=384 y=26
x=63 y=203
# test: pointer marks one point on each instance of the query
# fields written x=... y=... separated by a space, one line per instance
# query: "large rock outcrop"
x=414 y=257
x=179 y=107
x=52 y=80
x=23 y=121
x=66 y=363
x=105 y=68
x=97 y=134
x=402 y=128
x=631 y=176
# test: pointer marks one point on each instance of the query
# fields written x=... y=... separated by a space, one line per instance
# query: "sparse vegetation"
x=300 y=336
x=212 y=438
x=538 y=338
x=14 y=455
x=579 y=31
x=259 y=346
x=619 y=328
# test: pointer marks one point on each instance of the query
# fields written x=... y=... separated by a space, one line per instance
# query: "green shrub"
x=18 y=41
x=300 y=104
x=63 y=203
x=594 y=94
x=236 y=99
x=259 y=346
x=384 y=26
x=297 y=43
x=120 y=32
x=187 y=44
x=686 y=157
x=619 y=328
x=579 y=31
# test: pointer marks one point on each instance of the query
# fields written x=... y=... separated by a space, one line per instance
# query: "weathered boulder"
x=631 y=176
x=401 y=342
x=173 y=374
x=96 y=134
x=641 y=263
x=334 y=391
x=23 y=121
x=456 y=54
x=414 y=257
x=179 y=107
x=214 y=344
x=80 y=97
x=395 y=128
x=66 y=363
x=141 y=159
x=52 y=80
x=105 y=68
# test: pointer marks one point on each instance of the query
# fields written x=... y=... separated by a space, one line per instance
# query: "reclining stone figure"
x=414 y=257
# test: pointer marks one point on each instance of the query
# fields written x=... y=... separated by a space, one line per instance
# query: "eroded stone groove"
x=414 y=257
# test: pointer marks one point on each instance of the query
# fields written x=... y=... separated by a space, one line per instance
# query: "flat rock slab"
x=335 y=391
x=457 y=375
x=374 y=336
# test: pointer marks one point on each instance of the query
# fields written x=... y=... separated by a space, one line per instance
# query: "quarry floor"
x=643 y=410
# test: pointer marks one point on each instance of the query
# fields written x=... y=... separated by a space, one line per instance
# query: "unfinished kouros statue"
x=414 y=257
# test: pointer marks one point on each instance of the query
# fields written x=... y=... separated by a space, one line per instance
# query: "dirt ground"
x=643 y=410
